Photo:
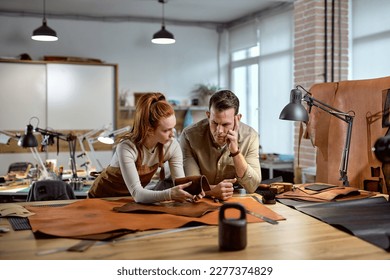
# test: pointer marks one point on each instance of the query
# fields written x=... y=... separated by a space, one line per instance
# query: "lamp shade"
x=106 y=138
x=44 y=33
x=294 y=111
x=163 y=37
x=28 y=140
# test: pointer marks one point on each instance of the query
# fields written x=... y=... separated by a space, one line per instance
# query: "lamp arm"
x=311 y=101
x=37 y=157
x=121 y=130
x=11 y=135
x=67 y=137
x=51 y=133
x=89 y=134
x=346 y=117
x=72 y=141
x=345 y=155
x=5 y=137
x=93 y=153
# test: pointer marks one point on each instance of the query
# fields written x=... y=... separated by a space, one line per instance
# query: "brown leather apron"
x=110 y=182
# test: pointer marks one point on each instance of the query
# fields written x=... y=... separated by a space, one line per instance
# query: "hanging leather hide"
x=367 y=98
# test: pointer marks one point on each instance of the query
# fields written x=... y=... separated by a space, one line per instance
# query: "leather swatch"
x=317 y=186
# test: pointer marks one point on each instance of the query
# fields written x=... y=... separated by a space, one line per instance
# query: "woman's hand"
x=178 y=193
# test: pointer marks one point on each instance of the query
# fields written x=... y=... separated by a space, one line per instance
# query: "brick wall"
x=318 y=58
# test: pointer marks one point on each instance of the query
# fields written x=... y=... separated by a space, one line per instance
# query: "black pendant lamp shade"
x=44 y=32
x=163 y=36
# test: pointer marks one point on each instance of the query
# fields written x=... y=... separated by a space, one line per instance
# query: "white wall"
x=55 y=96
x=142 y=66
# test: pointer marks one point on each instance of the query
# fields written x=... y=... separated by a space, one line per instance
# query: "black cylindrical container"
x=232 y=232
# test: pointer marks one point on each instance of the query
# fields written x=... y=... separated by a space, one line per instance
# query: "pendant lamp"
x=163 y=36
x=44 y=33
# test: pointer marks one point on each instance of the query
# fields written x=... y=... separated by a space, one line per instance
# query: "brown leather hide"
x=95 y=219
x=366 y=98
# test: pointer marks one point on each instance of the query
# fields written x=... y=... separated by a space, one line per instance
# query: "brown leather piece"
x=303 y=192
x=366 y=98
x=95 y=219
x=198 y=183
x=188 y=209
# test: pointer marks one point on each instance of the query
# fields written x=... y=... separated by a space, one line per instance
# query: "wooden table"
x=299 y=237
x=273 y=165
x=19 y=192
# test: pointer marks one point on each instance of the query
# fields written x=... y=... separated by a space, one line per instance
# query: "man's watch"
x=234 y=154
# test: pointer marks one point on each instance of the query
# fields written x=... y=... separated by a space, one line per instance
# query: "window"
x=370 y=39
x=261 y=65
x=245 y=83
x=246 y=53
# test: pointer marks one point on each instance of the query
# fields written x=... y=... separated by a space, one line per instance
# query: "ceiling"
x=190 y=12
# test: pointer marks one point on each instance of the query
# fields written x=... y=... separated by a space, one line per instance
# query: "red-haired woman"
x=141 y=152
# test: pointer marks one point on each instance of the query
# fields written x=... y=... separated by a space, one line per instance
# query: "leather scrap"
x=13 y=210
x=188 y=209
x=303 y=192
x=317 y=186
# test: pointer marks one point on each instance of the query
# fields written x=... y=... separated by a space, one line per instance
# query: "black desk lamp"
x=294 y=111
x=29 y=140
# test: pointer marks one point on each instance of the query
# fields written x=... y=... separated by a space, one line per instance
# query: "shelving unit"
x=177 y=108
x=126 y=114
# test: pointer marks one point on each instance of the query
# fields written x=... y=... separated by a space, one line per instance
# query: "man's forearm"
x=240 y=165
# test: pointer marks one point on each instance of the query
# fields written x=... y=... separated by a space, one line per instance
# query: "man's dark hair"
x=223 y=100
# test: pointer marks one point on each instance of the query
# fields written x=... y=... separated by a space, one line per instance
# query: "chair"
x=50 y=190
x=19 y=167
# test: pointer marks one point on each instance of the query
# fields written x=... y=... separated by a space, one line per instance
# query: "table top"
x=299 y=237
x=277 y=163
x=18 y=191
